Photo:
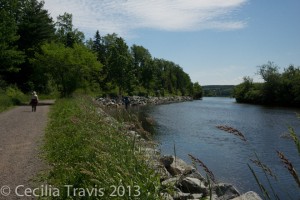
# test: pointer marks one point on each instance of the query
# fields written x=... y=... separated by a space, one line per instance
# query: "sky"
x=217 y=42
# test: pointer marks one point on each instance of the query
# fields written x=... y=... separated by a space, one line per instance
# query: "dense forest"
x=277 y=89
x=218 y=90
x=39 y=54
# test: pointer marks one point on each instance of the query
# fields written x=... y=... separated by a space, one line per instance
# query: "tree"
x=65 y=32
x=271 y=90
x=290 y=85
x=35 y=27
x=69 y=68
x=278 y=88
x=10 y=56
x=241 y=90
x=120 y=66
x=197 y=91
x=98 y=47
x=142 y=61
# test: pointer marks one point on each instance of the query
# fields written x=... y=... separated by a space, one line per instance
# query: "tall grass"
x=85 y=150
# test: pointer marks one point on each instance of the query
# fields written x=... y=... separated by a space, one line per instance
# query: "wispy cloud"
x=125 y=16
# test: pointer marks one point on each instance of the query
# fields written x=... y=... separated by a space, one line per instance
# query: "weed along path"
x=21 y=133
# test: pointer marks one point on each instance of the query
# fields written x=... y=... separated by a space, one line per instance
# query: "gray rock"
x=192 y=185
x=248 y=196
x=195 y=196
x=134 y=134
x=167 y=160
x=178 y=167
x=195 y=174
x=225 y=191
x=181 y=196
x=170 y=182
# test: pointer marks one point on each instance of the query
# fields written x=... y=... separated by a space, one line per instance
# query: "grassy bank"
x=91 y=154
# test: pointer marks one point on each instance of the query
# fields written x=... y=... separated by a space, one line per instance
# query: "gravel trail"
x=21 y=133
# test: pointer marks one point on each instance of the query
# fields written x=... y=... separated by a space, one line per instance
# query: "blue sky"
x=214 y=41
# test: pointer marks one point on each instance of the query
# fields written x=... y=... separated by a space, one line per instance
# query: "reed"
x=233 y=131
x=204 y=167
x=289 y=166
x=295 y=139
x=261 y=186
x=267 y=172
x=264 y=167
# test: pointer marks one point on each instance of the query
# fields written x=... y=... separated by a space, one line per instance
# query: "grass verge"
x=91 y=158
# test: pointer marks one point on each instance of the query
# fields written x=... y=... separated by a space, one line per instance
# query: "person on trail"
x=126 y=102
x=34 y=101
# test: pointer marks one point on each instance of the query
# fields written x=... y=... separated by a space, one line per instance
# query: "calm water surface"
x=191 y=126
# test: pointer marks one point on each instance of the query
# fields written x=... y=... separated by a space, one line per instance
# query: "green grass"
x=85 y=150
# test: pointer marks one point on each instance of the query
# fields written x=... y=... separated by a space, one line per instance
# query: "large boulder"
x=175 y=166
x=195 y=174
x=225 y=191
x=192 y=185
x=167 y=161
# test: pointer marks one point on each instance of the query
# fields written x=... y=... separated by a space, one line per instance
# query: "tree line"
x=277 y=89
x=218 y=90
x=39 y=54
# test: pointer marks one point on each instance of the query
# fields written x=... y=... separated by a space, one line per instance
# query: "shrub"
x=16 y=95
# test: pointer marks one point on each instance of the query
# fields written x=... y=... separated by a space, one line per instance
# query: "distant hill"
x=218 y=90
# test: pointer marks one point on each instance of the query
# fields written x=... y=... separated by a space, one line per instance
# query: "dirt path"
x=21 y=133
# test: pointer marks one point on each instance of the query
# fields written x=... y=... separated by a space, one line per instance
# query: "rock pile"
x=190 y=184
x=141 y=101
x=184 y=179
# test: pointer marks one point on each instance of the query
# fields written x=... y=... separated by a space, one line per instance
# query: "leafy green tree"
x=35 y=27
x=271 y=90
x=170 y=79
x=65 y=31
x=143 y=71
x=117 y=72
x=120 y=66
x=10 y=56
x=290 y=85
x=197 y=91
x=69 y=68
x=97 y=46
x=277 y=89
x=240 y=91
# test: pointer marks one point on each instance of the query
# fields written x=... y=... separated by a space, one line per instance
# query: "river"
x=190 y=128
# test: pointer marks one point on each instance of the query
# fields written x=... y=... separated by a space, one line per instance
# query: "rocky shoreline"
x=185 y=180
x=142 y=101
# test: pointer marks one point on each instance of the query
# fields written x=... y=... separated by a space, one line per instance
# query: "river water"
x=190 y=128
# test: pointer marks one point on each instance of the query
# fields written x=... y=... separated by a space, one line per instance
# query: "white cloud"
x=124 y=16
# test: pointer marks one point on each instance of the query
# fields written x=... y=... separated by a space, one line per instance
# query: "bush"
x=16 y=95
x=5 y=101
x=11 y=96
